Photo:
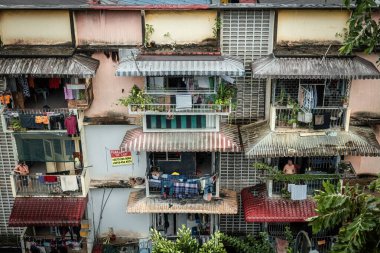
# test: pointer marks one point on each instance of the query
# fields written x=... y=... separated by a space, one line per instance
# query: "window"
x=167 y=156
x=178 y=83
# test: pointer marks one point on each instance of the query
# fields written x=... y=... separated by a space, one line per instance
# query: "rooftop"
x=259 y=208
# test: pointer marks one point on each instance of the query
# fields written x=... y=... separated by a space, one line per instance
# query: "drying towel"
x=50 y=179
x=183 y=102
x=298 y=192
x=69 y=183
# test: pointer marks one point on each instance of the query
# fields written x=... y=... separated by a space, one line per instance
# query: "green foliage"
x=16 y=125
x=224 y=94
x=249 y=244
x=289 y=237
x=355 y=211
x=282 y=98
x=136 y=98
x=216 y=27
x=294 y=113
x=214 y=245
x=186 y=243
x=293 y=178
x=363 y=30
x=149 y=30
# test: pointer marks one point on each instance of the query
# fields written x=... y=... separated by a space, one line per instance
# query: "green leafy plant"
x=250 y=243
x=355 y=211
x=224 y=94
x=137 y=99
x=290 y=238
x=294 y=112
x=363 y=29
x=281 y=99
x=216 y=27
x=149 y=30
x=16 y=125
x=173 y=43
x=186 y=243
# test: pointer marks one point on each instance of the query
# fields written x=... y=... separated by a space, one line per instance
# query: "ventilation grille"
x=7 y=162
x=248 y=35
x=236 y=173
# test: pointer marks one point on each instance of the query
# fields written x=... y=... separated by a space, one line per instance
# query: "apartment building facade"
x=147 y=164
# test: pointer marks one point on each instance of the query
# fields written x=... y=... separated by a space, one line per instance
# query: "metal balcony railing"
x=50 y=185
x=173 y=109
x=284 y=117
x=155 y=186
x=12 y=118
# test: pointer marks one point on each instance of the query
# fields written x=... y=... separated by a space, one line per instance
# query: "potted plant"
x=295 y=108
x=137 y=99
x=224 y=95
x=281 y=99
x=16 y=125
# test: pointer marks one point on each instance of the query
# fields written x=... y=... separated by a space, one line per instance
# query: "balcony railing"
x=334 y=117
x=178 y=186
x=50 y=185
x=312 y=182
x=173 y=109
x=12 y=119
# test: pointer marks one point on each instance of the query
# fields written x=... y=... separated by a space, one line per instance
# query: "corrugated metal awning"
x=260 y=142
x=314 y=68
x=227 y=140
x=76 y=66
x=148 y=65
x=139 y=203
x=65 y=211
x=260 y=208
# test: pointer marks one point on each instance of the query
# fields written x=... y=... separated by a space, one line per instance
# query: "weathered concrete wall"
x=182 y=27
x=310 y=25
x=108 y=27
x=35 y=27
x=364 y=96
x=100 y=139
x=108 y=89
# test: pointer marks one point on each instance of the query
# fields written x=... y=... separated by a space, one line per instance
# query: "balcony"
x=284 y=118
x=278 y=185
x=174 y=109
x=48 y=185
x=181 y=186
x=24 y=119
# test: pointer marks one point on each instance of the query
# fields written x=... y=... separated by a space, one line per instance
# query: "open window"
x=167 y=84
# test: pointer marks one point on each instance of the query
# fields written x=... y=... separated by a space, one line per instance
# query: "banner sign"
x=121 y=157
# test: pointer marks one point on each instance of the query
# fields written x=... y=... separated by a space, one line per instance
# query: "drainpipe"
x=72 y=29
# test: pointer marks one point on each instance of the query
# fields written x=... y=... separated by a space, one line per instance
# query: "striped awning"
x=77 y=66
x=138 y=203
x=260 y=142
x=148 y=65
x=227 y=140
x=54 y=211
x=314 y=68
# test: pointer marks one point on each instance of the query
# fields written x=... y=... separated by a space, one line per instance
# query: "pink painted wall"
x=365 y=97
x=108 y=27
x=108 y=89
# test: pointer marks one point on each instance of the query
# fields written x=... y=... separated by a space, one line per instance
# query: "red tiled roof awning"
x=259 y=208
x=227 y=140
x=47 y=211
